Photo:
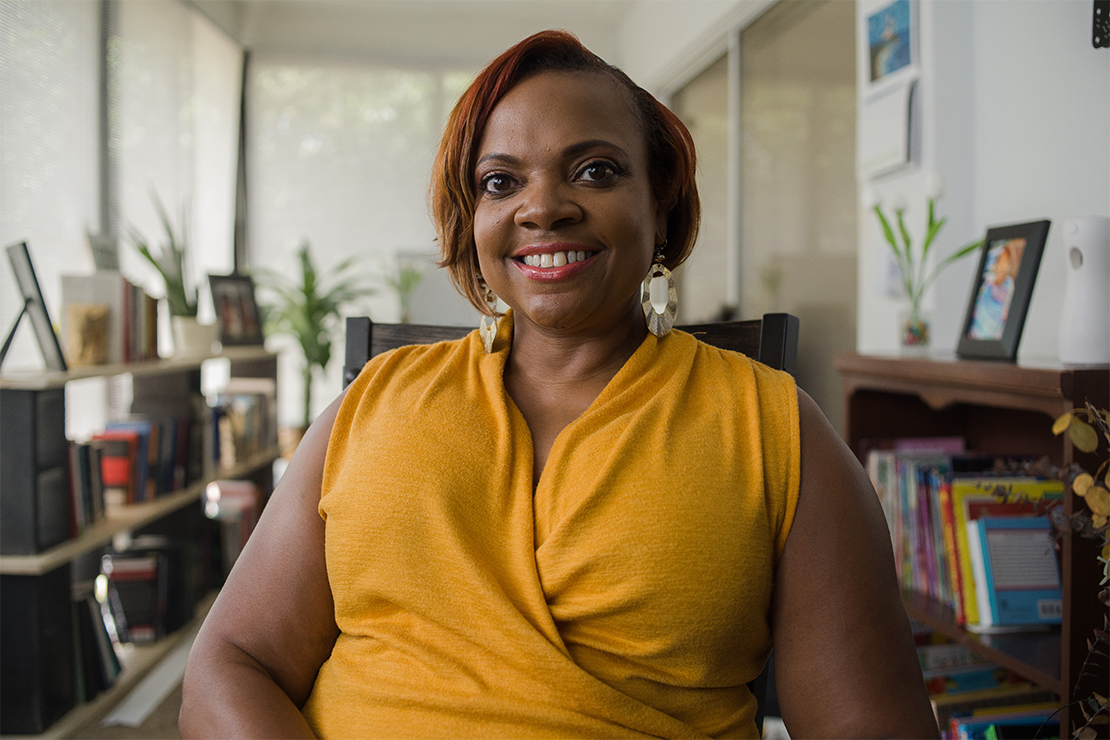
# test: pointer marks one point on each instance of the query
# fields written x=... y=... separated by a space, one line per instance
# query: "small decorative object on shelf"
x=913 y=265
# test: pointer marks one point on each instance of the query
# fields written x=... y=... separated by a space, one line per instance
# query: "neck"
x=550 y=356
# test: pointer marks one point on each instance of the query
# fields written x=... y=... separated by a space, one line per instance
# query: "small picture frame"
x=34 y=307
x=236 y=310
x=1008 y=265
x=892 y=54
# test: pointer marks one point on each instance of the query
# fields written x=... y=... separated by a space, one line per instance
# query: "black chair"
x=772 y=340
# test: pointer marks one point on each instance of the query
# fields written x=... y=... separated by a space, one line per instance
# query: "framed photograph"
x=891 y=42
x=1008 y=265
x=34 y=307
x=236 y=309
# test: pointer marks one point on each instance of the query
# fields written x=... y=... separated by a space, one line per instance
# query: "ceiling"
x=435 y=31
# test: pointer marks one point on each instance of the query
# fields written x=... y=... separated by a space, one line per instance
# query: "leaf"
x=1082 y=484
x=1099 y=698
x=1083 y=436
x=1062 y=423
x=1087 y=733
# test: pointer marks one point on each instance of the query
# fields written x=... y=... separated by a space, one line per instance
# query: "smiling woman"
x=576 y=528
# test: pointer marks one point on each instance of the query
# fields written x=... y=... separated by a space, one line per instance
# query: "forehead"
x=552 y=108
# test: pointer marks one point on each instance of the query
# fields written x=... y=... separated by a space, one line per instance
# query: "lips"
x=553 y=262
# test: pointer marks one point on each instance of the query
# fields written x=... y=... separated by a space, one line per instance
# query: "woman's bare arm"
x=273 y=625
x=845 y=664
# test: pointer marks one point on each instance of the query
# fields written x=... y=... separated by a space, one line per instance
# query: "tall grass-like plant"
x=913 y=262
x=307 y=307
x=170 y=260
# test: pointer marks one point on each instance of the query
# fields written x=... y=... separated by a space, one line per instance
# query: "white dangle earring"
x=488 y=331
x=659 y=315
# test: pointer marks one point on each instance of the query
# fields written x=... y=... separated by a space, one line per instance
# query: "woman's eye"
x=597 y=172
x=496 y=183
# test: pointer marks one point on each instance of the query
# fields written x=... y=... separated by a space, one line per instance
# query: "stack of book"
x=972 y=697
x=988 y=557
x=129 y=462
x=243 y=422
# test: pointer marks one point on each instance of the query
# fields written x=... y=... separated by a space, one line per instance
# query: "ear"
x=661 y=215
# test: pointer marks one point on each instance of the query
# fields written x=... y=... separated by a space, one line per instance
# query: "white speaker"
x=1085 y=318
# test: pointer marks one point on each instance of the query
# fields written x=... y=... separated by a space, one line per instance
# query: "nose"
x=547 y=204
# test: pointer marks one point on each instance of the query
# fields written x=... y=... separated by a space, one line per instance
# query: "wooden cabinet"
x=1000 y=409
x=37 y=625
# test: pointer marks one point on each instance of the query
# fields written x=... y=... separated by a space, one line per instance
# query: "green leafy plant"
x=308 y=308
x=403 y=274
x=181 y=297
x=913 y=263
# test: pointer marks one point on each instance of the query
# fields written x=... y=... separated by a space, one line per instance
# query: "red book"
x=118 y=464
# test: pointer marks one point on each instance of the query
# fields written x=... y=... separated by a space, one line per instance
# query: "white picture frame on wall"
x=888 y=67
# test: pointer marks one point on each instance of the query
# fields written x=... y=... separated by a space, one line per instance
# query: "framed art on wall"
x=236 y=309
x=1008 y=265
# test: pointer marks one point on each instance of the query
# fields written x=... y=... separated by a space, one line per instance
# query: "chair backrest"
x=772 y=340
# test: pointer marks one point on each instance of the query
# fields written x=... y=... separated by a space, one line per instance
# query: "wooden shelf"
x=130 y=518
x=1001 y=409
x=138 y=661
x=37 y=380
x=1032 y=655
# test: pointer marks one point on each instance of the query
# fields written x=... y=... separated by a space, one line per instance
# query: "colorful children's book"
x=1022 y=574
x=978 y=490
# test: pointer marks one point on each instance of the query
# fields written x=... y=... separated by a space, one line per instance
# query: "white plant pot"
x=191 y=338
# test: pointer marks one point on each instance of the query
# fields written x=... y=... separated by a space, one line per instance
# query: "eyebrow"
x=571 y=151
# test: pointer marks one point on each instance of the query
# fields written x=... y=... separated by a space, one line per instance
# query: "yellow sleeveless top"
x=628 y=597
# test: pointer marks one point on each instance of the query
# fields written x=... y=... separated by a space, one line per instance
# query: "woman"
x=580 y=528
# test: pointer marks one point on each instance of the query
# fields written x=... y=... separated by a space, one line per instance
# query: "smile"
x=556 y=259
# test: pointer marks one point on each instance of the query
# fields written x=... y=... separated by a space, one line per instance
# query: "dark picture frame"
x=236 y=310
x=35 y=308
x=1008 y=265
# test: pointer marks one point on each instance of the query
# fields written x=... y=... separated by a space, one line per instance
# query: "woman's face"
x=565 y=222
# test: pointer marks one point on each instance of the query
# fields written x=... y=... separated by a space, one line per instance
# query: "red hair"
x=671 y=158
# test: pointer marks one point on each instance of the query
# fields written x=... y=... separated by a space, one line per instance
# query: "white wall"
x=1015 y=117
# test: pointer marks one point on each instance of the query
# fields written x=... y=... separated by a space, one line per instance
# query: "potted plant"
x=308 y=309
x=190 y=337
x=913 y=264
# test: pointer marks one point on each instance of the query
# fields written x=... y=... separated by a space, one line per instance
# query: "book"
x=946 y=706
x=147 y=462
x=966 y=491
x=140 y=582
x=117 y=453
x=977 y=725
x=1022 y=576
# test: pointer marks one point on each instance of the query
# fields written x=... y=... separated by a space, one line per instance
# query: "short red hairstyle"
x=671 y=157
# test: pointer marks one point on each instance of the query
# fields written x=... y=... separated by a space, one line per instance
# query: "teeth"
x=555 y=259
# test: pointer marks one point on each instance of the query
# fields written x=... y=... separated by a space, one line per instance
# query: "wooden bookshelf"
x=128 y=519
x=1003 y=409
x=37 y=380
x=138 y=661
x=38 y=629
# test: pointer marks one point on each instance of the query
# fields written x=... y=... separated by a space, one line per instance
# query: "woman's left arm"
x=845 y=664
